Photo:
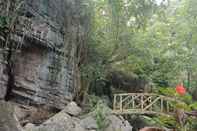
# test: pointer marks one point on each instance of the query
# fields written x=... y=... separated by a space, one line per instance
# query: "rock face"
x=43 y=53
x=72 y=109
x=3 y=77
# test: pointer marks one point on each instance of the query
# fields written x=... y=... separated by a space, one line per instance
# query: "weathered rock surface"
x=72 y=109
x=3 y=76
x=118 y=124
x=59 y=122
x=48 y=34
x=64 y=122
x=8 y=120
x=114 y=123
x=89 y=123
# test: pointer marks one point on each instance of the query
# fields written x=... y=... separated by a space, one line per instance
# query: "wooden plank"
x=148 y=94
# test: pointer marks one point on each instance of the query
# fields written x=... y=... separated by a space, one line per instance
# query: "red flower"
x=180 y=89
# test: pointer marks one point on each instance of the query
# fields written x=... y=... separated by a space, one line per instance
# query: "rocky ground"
x=15 y=118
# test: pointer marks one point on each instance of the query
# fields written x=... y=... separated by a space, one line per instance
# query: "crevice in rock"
x=10 y=73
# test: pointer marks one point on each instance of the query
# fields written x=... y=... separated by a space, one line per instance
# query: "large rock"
x=65 y=122
x=3 y=76
x=45 y=69
x=114 y=123
x=89 y=123
x=118 y=124
x=8 y=121
x=73 y=109
x=59 y=122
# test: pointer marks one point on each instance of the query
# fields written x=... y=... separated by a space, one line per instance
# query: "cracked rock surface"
x=40 y=66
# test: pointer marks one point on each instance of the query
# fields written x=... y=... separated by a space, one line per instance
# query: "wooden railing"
x=144 y=103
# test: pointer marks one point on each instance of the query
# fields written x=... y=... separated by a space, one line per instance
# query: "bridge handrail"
x=150 y=94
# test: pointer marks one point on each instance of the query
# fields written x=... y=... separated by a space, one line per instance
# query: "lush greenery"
x=153 y=39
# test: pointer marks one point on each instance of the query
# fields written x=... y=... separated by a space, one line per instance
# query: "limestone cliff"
x=39 y=59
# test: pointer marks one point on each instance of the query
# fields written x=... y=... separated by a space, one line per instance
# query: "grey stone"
x=89 y=123
x=118 y=124
x=59 y=122
x=64 y=122
x=8 y=121
x=3 y=76
x=73 y=109
x=29 y=127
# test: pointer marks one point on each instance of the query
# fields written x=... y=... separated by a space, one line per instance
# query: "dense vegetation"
x=150 y=40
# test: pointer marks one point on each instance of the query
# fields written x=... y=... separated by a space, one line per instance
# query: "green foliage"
x=171 y=92
x=3 y=21
x=164 y=121
x=101 y=111
x=193 y=106
x=93 y=101
x=155 y=42
x=112 y=42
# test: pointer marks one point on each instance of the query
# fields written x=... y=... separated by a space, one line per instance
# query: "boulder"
x=89 y=123
x=72 y=109
x=8 y=121
x=60 y=122
x=68 y=120
x=114 y=124
x=118 y=124
x=29 y=127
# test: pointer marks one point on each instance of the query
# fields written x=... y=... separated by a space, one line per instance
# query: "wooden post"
x=121 y=103
x=133 y=102
x=167 y=106
x=161 y=105
x=150 y=101
x=114 y=105
x=142 y=102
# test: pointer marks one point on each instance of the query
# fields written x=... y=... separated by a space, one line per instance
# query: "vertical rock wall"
x=3 y=76
x=45 y=53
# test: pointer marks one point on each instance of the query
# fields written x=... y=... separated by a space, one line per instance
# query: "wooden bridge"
x=144 y=103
